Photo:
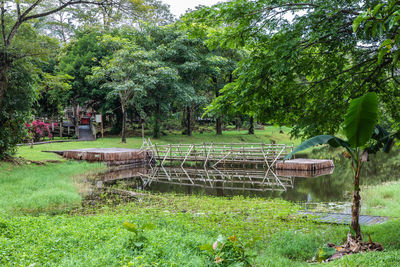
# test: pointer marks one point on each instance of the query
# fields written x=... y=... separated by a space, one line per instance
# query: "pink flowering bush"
x=38 y=130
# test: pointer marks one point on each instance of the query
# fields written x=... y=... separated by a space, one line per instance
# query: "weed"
x=229 y=251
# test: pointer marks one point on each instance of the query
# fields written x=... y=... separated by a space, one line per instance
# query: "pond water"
x=324 y=186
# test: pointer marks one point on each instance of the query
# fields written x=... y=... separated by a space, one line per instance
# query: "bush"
x=38 y=130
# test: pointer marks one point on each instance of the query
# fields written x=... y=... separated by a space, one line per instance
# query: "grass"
x=382 y=199
x=174 y=228
x=32 y=188
x=180 y=225
x=269 y=134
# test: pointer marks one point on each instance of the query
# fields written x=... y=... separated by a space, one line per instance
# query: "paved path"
x=85 y=134
x=341 y=218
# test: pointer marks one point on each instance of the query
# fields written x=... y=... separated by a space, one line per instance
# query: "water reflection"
x=298 y=186
x=224 y=181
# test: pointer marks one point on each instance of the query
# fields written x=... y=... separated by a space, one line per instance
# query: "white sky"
x=178 y=7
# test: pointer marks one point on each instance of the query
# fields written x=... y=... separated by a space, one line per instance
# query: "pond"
x=324 y=186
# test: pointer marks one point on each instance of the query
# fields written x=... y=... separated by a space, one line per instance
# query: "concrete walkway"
x=341 y=218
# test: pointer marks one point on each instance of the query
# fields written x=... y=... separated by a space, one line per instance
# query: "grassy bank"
x=31 y=188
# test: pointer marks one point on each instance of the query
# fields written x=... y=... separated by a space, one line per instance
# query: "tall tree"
x=77 y=59
x=305 y=61
x=20 y=44
x=23 y=84
x=13 y=15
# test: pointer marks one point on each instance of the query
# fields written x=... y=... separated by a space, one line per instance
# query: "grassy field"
x=43 y=221
x=383 y=200
x=35 y=189
x=266 y=136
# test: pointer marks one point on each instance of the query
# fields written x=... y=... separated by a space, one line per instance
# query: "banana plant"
x=364 y=137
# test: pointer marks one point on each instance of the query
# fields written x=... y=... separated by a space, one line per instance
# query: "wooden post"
x=170 y=154
x=102 y=130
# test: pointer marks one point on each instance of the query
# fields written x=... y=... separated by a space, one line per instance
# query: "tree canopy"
x=305 y=63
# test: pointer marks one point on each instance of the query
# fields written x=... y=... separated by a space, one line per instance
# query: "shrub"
x=38 y=129
x=228 y=251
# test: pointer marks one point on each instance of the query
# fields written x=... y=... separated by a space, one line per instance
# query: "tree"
x=108 y=16
x=77 y=59
x=305 y=61
x=22 y=74
x=13 y=15
x=20 y=47
x=145 y=72
x=363 y=137
x=129 y=73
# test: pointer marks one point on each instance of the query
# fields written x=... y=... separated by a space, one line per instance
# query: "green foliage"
x=19 y=81
x=303 y=70
x=303 y=245
x=228 y=251
x=15 y=108
x=382 y=24
x=360 y=119
x=324 y=253
x=157 y=70
x=138 y=240
x=319 y=140
x=77 y=60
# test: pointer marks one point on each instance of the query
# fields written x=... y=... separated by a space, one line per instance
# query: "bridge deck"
x=341 y=218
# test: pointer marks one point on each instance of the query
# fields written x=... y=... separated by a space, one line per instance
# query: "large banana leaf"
x=320 y=140
x=360 y=119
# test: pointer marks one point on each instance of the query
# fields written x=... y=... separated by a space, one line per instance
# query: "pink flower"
x=215 y=245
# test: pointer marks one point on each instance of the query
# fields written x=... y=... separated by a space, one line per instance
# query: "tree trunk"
x=189 y=120
x=142 y=126
x=251 y=128
x=219 y=125
x=3 y=81
x=183 y=121
x=237 y=125
x=123 y=135
x=156 y=126
x=356 y=205
x=219 y=119
x=77 y=121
